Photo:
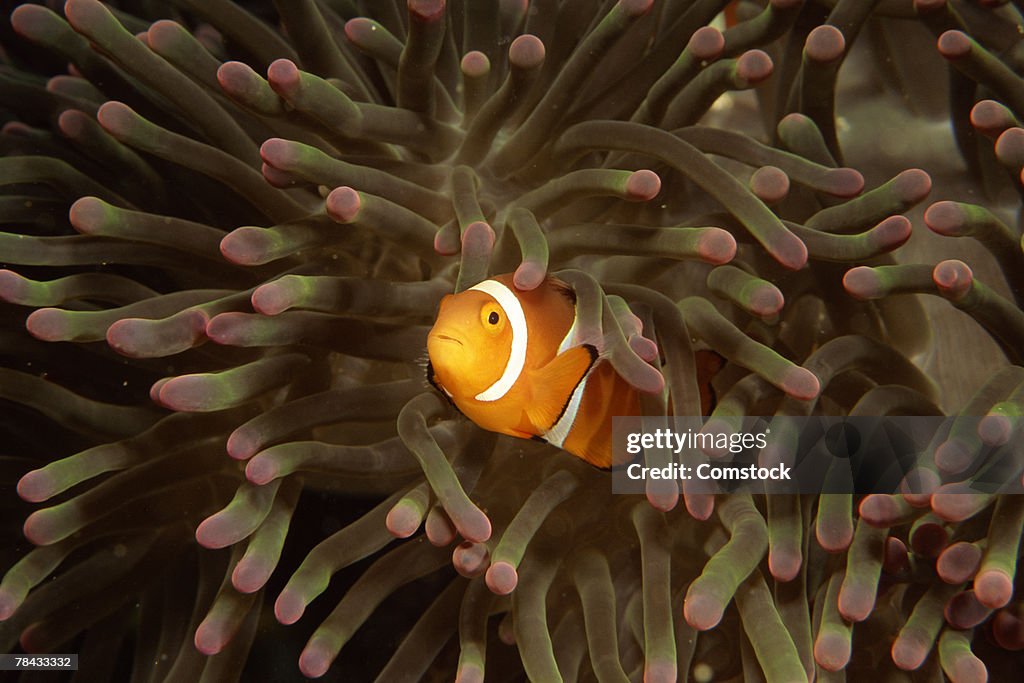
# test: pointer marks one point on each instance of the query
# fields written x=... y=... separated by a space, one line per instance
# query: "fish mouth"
x=445 y=337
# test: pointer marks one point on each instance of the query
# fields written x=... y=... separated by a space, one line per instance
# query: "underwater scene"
x=375 y=340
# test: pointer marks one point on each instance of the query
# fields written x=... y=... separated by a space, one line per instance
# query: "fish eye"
x=491 y=318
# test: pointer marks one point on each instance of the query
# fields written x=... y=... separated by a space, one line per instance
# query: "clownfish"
x=509 y=360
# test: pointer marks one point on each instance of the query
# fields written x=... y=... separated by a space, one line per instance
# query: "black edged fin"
x=563 y=288
x=432 y=379
x=709 y=363
x=602 y=461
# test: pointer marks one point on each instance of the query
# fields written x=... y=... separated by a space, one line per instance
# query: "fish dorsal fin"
x=551 y=386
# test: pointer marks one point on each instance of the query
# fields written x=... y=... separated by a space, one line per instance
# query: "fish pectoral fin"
x=551 y=386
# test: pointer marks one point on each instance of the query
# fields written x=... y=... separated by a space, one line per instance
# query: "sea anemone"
x=228 y=228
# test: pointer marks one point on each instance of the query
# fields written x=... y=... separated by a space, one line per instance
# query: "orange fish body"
x=607 y=395
x=732 y=14
x=509 y=360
